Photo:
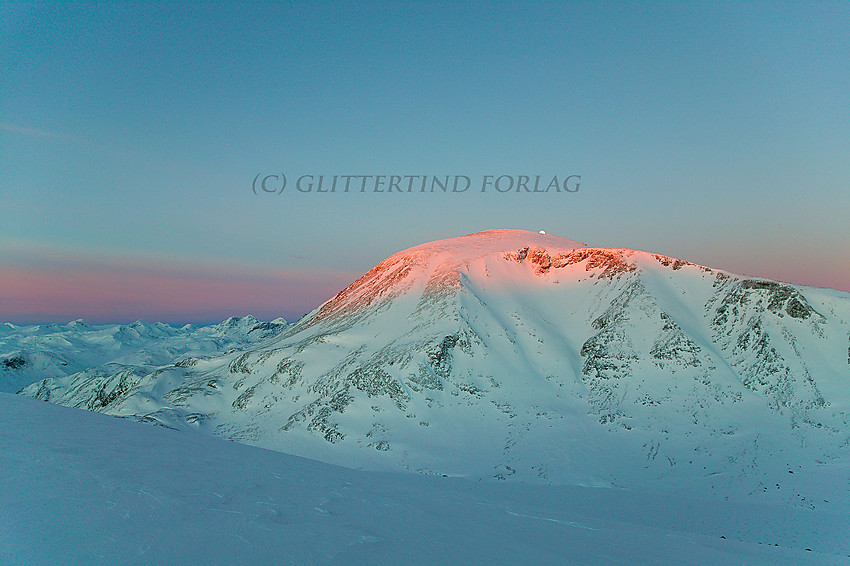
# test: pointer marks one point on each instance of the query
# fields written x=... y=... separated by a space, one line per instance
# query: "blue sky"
x=130 y=135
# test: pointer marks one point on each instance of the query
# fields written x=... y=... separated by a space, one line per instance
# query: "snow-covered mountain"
x=35 y=352
x=515 y=355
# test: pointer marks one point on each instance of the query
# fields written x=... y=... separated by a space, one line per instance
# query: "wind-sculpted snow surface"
x=515 y=355
x=84 y=489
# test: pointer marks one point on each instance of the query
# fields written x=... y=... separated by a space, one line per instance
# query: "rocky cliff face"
x=512 y=354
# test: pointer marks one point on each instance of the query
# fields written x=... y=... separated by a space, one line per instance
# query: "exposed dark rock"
x=15 y=362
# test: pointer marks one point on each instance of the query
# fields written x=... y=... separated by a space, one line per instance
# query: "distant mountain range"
x=31 y=353
x=516 y=355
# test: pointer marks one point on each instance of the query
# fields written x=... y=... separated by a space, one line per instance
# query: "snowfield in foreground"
x=85 y=488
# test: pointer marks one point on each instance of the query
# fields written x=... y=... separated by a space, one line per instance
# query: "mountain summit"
x=514 y=354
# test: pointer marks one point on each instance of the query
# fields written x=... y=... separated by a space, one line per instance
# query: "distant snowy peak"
x=249 y=326
x=244 y=322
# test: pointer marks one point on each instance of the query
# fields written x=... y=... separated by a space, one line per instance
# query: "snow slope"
x=83 y=488
x=515 y=355
x=35 y=352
